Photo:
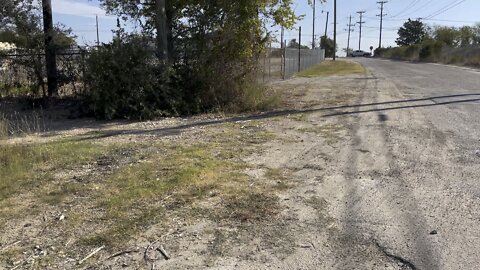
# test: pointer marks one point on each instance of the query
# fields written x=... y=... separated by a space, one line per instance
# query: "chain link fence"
x=23 y=73
x=281 y=64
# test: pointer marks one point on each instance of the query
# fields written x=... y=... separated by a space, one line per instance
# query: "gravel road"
x=410 y=174
x=402 y=186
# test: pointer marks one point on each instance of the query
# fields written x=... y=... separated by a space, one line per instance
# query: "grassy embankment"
x=329 y=68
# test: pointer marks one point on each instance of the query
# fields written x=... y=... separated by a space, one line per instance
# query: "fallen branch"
x=164 y=253
x=120 y=254
x=145 y=254
x=10 y=245
x=91 y=254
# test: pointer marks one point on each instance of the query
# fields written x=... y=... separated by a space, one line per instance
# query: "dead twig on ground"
x=145 y=254
x=91 y=254
x=9 y=246
x=120 y=254
x=161 y=249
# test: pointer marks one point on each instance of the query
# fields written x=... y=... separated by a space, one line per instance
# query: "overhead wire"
x=445 y=8
x=407 y=8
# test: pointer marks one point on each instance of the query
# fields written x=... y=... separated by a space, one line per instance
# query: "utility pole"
x=313 y=31
x=299 y=48
x=326 y=28
x=50 y=54
x=360 y=23
x=98 y=36
x=350 y=30
x=161 y=25
x=381 y=21
x=334 y=29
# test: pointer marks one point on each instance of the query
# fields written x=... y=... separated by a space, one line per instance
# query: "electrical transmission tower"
x=381 y=15
x=360 y=23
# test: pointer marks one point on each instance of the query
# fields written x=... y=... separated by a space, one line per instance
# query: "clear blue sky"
x=80 y=16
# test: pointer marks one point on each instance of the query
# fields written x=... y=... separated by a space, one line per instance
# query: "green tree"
x=476 y=34
x=449 y=36
x=328 y=45
x=213 y=47
x=412 y=32
x=293 y=44
x=21 y=24
x=466 y=36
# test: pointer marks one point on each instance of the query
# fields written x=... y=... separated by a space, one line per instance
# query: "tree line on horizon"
x=419 y=41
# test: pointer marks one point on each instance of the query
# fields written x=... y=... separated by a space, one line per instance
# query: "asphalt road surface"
x=412 y=169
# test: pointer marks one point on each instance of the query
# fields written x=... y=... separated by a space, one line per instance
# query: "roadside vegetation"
x=96 y=193
x=328 y=68
x=450 y=45
x=207 y=65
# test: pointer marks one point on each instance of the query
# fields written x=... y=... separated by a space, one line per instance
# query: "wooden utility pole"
x=334 y=30
x=98 y=36
x=313 y=26
x=50 y=54
x=350 y=30
x=381 y=21
x=161 y=25
x=326 y=28
x=360 y=34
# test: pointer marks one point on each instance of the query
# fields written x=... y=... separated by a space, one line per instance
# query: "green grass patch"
x=25 y=167
x=329 y=68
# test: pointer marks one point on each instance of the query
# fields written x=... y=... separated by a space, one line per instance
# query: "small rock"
x=433 y=232
x=477 y=153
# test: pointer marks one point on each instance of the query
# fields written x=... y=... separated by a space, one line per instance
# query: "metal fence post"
x=270 y=62
x=299 y=47
x=284 y=52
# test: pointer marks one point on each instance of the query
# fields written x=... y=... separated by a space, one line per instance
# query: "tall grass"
x=3 y=127
x=16 y=124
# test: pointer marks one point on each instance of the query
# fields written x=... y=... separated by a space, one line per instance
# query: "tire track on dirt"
x=360 y=126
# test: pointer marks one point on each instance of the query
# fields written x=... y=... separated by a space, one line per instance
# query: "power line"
x=446 y=8
x=426 y=4
x=409 y=6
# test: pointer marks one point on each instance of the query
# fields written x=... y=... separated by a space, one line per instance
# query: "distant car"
x=360 y=53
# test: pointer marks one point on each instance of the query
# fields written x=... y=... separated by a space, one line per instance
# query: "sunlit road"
x=415 y=185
